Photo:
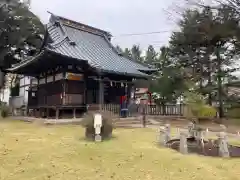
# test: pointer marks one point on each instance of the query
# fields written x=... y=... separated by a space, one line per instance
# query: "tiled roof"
x=86 y=43
x=92 y=47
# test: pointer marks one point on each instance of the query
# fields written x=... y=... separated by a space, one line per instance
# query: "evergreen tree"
x=202 y=46
x=127 y=53
x=151 y=56
x=20 y=32
x=168 y=83
x=119 y=49
x=136 y=53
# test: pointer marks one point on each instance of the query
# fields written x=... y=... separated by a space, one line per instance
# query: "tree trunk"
x=164 y=108
x=219 y=83
x=201 y=76
x=209 y=69
x=201 y=69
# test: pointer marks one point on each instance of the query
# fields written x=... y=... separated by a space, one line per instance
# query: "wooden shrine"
x=77 y=69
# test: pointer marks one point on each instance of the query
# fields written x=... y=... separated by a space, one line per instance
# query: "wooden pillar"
x=47 y=113
x=101 y=93
x=40 y=112
x=29 y=90
x=34 y=112
x=74 y=113
x=57 y=113
x=129 y=92
x=63 y=92
x=85 y=99
x=27 y=111
x=37 y=93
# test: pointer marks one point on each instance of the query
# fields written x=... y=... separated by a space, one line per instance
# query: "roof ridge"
x=78 y=25
x=85 y=30
x=24 y=63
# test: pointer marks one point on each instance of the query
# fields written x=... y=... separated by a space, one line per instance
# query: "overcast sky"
x=116 y=16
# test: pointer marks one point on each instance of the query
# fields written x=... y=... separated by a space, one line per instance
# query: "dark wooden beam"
x=101 y=93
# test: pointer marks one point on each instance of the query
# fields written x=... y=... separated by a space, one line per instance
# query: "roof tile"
x=95 y=49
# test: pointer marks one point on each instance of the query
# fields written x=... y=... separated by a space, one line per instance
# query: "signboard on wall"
x=74 y=76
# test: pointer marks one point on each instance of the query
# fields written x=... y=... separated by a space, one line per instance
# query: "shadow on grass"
x=113 y=137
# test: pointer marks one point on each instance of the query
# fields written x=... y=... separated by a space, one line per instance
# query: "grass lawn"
x=31 y=151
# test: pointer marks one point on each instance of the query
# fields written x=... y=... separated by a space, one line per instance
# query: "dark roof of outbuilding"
x=83 y=42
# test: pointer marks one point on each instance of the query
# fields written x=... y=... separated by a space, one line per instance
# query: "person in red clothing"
x=123 y=99
x=123 y=103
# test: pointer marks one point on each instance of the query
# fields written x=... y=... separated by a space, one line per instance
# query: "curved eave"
x=139 y=75
x=25 y=63
x=148 y=70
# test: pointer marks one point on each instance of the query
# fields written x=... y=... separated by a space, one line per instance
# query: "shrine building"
x=77 y=69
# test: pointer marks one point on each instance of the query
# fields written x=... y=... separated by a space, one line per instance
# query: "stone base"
x=98 y=138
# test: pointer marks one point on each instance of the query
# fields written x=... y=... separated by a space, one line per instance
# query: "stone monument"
x=98 y=126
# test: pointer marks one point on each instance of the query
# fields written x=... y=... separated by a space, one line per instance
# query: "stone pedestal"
x=98 y=138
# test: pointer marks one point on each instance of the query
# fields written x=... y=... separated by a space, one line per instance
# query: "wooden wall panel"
x=74 y=87
x=51 y=88
x=50 y=94
x=73 y=99
x=54 y=100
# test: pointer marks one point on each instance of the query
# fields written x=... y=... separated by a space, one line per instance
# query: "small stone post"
x=178 y=132
x=199 y=135
x=200 y=139
x=191 y=127
x=168 y=132
x=183 y=147
x=161 y=137
x=223 y=145
x=206 y=133
x=223 y=128
x=164 y=135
